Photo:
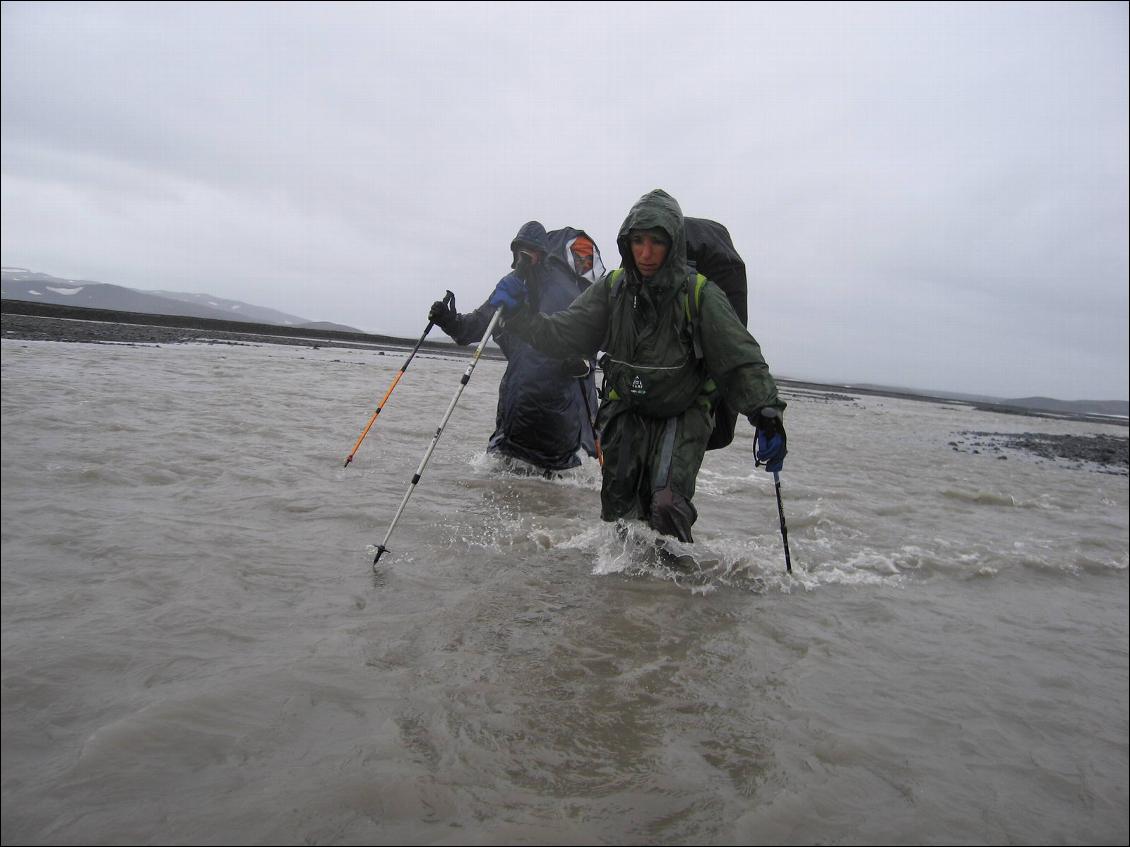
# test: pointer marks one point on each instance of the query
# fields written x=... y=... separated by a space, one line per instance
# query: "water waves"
x=526 y=515
x=192 y=620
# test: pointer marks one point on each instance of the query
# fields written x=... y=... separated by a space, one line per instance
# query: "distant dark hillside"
x=1117 y=408
x=328 y=325
x=236 y=310
x=1088 y=407
x=30 y=286
x=41 y=288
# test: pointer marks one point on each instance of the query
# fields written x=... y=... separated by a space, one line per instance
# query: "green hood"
x=657 y=209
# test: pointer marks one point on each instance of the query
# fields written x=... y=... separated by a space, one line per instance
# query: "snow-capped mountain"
x=23 y=284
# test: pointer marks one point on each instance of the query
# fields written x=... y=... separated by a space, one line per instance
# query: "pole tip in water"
x=381 y=550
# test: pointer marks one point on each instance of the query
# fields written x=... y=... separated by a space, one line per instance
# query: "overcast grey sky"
x=926 y=195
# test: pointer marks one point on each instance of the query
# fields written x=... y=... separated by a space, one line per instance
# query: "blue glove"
x=509 y=294
x=771 y=445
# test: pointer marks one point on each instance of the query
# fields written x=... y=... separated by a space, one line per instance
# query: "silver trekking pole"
x=381 y=548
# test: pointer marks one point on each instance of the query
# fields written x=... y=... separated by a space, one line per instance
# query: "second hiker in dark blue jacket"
x=545 y=405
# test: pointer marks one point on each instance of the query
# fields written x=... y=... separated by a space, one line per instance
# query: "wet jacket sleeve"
x=733 y=356
x=576 y=331
x=469 y=328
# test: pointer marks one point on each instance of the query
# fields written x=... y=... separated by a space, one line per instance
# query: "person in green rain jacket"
x=672 y=343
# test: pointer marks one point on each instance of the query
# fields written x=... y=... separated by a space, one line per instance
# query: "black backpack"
x=711 y=252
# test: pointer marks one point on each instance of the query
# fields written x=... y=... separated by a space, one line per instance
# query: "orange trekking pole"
x=448 y=298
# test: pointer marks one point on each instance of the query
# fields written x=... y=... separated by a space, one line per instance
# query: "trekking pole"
x=381 y=548
x=446 y=300
x=784 y=529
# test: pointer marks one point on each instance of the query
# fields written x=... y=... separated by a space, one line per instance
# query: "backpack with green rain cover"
x=711 y=252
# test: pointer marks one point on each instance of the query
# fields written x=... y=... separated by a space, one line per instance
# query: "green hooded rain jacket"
x=656 y=411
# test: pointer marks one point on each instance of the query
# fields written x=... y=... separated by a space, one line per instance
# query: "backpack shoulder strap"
x=692 y=305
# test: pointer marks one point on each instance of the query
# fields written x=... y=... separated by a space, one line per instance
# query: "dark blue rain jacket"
x=542 y=415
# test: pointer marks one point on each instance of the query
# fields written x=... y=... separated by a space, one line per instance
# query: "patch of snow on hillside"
x=67 y=291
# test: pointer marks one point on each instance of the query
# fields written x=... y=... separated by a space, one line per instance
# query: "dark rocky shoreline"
x=42 y=322
x=98 y=332
x=47 y=322
x=1103 y=453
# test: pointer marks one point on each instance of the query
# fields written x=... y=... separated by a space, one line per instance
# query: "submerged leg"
x=672 y=514
x=676 y=459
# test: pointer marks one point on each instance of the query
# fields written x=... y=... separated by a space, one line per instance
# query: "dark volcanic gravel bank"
x=95 y=332
x=1104 y=453
x=49 y=322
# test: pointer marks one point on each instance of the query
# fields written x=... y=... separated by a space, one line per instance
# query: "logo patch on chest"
x=637 y=386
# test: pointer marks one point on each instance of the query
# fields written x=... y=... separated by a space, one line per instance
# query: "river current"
x=197 y=649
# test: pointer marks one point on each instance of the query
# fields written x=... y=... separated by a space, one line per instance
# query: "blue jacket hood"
x=532 y=235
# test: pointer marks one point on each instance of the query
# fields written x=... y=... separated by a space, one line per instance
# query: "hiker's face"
x=649 y=251
x=524 y=260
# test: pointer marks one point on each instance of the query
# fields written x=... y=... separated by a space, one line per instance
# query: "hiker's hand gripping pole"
x=447 y=300
x=381 y=548
x=770 y=449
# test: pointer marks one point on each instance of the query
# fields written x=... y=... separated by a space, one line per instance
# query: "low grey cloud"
x=928 y=195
